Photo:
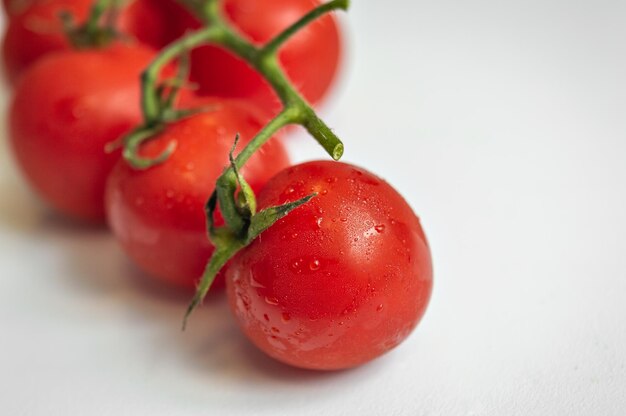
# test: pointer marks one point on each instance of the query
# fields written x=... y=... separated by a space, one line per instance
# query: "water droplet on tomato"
x=343 y=219
x=380 y=228
x=286 y=317
x=266 y=317
x=271 y=300
x=380 y=307
x=314 y=265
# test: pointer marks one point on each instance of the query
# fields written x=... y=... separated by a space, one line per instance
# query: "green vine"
x=243 y=223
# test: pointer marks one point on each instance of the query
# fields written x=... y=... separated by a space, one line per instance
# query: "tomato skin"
x=15 y=7
x=158 y=214
x=310 y=58
x=338 y=281
x=66 y=108
x=37 y=30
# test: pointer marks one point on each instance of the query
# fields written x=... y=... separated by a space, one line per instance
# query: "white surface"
x=504 y=126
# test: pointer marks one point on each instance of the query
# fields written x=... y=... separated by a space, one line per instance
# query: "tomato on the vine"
x=310 y=58
x=66 y=108
x=158 y=214
x=37 y=30
x=341 y=279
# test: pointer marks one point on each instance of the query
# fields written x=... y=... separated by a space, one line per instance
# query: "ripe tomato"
x=338 y=281
x=38 y=31
x=65 y=109
x=15 y=7
x=310 y=58
x=158 y=214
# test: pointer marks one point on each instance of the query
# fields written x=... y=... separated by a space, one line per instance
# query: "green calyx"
x=98 y=31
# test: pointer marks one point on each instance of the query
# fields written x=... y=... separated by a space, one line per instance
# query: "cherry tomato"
x=66 y=108
x=15 y=7
x=38 y=31
x=310 y=58
x=158 y=214
x=338 y=281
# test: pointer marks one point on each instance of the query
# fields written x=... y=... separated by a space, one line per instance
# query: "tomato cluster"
x=333 y=284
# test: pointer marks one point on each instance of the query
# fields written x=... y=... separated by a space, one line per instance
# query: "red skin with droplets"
x=310 y=58
x=66 y=108
x=158 y=214
x=338 y=281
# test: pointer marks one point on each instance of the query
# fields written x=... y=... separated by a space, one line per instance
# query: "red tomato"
x=38 y=31
x=158 y=214
x=310 y=58
x=153 y=22
x=65 y=109
x=15 y=7
x=338 y=281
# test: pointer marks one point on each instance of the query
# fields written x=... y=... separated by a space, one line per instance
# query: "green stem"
x=151 y=100
x=272 y=46
x=265 y=61
x=99 y=8
x=227 y=183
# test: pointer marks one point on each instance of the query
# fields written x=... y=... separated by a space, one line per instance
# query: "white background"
x=504 y=125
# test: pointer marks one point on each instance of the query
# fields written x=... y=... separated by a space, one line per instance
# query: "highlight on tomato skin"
x=337 y=282
x=65 y=110
x=158 y=214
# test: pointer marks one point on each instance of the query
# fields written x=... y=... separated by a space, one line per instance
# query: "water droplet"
x=343 y=219
x=290 y=190
x=286 y=317
x=267 y=318
x=319 y=222
x=271 y=300
x=380 y=307
x=380 y=228
x=276 y=330
x=314 y=265
x=324 y=192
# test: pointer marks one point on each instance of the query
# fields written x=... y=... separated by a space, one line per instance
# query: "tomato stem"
x=272 y=46
x=96 y=31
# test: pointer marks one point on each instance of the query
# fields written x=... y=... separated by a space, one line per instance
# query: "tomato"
x=153 y=22
x=158 y=214
x=65 y=109
x=338 y=281
x=310 y=58
x=15 y=7
x=38 y=31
